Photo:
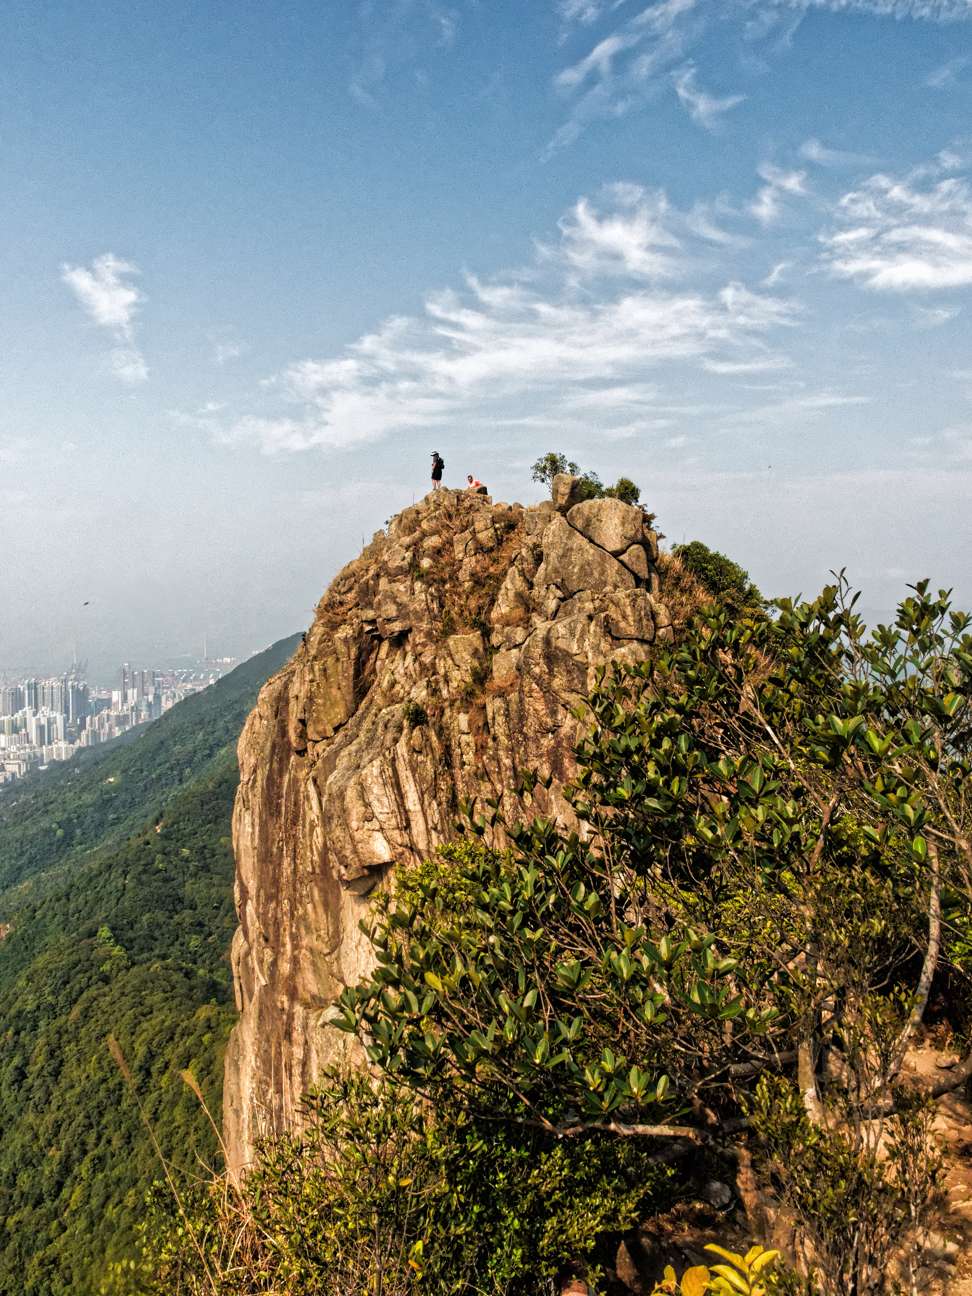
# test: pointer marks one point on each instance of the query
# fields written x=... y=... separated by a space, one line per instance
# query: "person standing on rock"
x=438 y=464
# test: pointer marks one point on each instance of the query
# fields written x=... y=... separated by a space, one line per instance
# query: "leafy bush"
x=380 y=1193
x=719 y=575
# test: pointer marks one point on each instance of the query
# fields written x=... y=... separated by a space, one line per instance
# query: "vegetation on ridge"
x=546 y=468
x=736 y=951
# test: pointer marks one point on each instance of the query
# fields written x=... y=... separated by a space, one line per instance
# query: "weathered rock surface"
x=446 y=657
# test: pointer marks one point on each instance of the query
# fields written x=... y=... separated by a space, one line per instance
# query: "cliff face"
x=442 y=660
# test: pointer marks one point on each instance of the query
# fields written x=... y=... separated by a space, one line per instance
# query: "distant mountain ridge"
x=116 y=886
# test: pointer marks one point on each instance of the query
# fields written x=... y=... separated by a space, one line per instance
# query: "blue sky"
x=259 y=259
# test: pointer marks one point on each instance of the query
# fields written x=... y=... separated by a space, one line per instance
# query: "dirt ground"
x=950 y=1251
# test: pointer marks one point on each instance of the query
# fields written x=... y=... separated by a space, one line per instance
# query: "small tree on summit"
x=546 y=468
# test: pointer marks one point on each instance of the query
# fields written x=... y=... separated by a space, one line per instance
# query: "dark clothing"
x=437 y=466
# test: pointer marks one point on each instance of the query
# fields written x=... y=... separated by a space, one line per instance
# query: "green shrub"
x=414 y=715
x=381 y=1194
x=719 y=575
x=625 y=490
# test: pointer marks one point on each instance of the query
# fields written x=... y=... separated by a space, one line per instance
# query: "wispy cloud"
x=758 y=364
x=635 y=53
x=907 y=233
x=812 y=150
x=224 y=352
x=779 y=185
x=392 y=34
x=623 y=69
x=111 y=301
x=791 y=409
x=952 y=445
x=945 y=76
x=631 y=237
x=586 y=325
x=583 y=12
x=776 y=274
x=702 y=107
x=929 y=317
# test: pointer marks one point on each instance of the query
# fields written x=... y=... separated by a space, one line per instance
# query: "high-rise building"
x=11 y=699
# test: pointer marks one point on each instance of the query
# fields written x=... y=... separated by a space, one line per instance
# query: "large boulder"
x=451 y=654
x=565 y=491
x=572 y=564
x=609 y=523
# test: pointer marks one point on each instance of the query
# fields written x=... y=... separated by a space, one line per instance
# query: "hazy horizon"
x=260 y=262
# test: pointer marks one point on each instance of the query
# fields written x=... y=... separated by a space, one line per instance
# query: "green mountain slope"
x=116 y=877
x=103 y=794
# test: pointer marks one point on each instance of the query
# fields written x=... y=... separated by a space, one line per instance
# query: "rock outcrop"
x=444 y=659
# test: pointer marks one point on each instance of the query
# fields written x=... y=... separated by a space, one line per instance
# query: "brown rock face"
x=444 y=659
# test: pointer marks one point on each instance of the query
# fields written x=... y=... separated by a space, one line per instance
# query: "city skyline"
x=49 y=719
x=264 y=261
x=100 y=672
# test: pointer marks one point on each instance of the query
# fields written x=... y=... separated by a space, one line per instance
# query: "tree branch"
x=928 y=968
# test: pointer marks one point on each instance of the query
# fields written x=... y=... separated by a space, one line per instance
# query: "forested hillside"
x=116 y=880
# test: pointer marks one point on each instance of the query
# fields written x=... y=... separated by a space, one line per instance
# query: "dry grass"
x=680 y=591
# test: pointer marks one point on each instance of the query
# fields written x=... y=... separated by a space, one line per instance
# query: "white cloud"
x=584 y=12
x=224 y=352
x=633 y=239
x=110 y=300
x=901 y=234
x=767 y=206
x=13 y=450
x=104 y=292
x=703 y=108
x=937 y=11
x=776 y=274
x=792 y=409
x=952 y=445
x=812 y=150
x=758 y=364
x=633 y=55
x=929 y=317
x=623 y=70
x=945 y=76
x=392 y=35
x=128 y=364
x=582 y=331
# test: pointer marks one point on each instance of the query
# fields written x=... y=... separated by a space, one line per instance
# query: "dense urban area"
x=47 y=720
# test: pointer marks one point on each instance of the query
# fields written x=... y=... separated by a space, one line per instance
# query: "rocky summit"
x=451 y=654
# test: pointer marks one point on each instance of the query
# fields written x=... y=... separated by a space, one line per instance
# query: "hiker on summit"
x=475 y=485
x=438 y=463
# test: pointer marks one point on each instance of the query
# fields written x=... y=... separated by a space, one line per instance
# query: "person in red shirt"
x=475 y=486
